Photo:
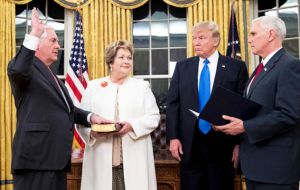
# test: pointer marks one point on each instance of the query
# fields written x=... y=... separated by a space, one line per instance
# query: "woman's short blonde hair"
x=112 y=49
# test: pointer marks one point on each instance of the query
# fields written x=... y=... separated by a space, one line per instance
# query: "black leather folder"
x=225 y=102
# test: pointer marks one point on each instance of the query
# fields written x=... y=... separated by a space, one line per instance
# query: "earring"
x=110 y=69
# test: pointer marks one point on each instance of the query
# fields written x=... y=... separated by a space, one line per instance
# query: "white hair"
x=44 y=35
x=271 y=22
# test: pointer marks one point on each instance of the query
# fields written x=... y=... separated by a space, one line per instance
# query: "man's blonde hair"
x=209 y=25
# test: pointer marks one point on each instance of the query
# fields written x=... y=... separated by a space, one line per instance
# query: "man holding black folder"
x=270 y=146
x=204 y=154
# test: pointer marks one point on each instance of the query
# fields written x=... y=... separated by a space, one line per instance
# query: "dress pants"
x=254 y=185
x=207 y=169
x=40 y=180
x=118 y=182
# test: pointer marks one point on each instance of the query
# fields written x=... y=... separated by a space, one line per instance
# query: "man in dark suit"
x=270 y=146
x=205 y=155
x=41 y=151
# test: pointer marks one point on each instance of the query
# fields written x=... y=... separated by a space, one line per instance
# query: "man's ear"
x=271 y=35
x=216 y=42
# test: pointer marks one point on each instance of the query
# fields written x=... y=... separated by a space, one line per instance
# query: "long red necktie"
x=258 y=70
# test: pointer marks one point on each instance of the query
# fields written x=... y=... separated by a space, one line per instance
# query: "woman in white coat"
x=124 y=159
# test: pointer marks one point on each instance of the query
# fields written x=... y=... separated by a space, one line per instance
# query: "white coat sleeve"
x=147 y=123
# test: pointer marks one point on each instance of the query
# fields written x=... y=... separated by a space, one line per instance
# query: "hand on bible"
x=96 y=119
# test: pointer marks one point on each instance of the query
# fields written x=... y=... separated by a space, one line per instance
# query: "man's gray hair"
x=44 y=35
x=271 y=22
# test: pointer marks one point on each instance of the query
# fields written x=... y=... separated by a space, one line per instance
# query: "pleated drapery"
x=103 y=23
x=7 y=112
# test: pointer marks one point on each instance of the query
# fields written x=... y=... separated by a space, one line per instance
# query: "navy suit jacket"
x=44 y=132
x=270 y=148
x=183 y=95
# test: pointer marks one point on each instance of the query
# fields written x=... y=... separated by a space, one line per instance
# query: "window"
x=288 y=11
x=52 y=14
x=159 y=39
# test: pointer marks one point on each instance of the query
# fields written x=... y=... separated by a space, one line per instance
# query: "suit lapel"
x=193 y=70
x=220 y=72
x=66 y=93
x=48 y=76
x=267 y=68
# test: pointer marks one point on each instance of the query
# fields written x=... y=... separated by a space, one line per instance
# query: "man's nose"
x=249 y=39
x=197 y=42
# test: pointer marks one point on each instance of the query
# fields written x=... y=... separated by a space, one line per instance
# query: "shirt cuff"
x=31 y=42
x=89 y=117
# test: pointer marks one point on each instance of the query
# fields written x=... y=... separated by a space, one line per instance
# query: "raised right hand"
x=176 y=149
x=37 y=26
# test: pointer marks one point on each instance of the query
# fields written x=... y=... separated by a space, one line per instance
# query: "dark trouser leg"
x=253 y=185
x=37 y=180
x=204 y=171
x=193 y=178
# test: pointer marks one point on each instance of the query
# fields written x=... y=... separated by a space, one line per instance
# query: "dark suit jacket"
x=270 y=148
x=183 y=95
x=44 y=132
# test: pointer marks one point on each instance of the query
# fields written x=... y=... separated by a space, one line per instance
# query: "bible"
x=105 y=128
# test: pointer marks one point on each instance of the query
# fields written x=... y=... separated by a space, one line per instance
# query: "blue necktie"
x=204 y=94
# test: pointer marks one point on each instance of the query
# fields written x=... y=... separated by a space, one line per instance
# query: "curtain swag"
x=181 y=3
x=19 y=2
x=132 y=4
x=73 y=4
x=68 y=4
x=125 y=4
x=129 y=4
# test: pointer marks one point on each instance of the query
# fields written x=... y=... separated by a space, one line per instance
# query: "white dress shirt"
x=213 y=63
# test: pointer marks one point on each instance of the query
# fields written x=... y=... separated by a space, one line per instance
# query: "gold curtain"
x=103 y=23
x=73 y=4
x=129 y=4
x=181 y=3
x=20 y=2
x=132 y=4
x=7 y=116
x=219 y=12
